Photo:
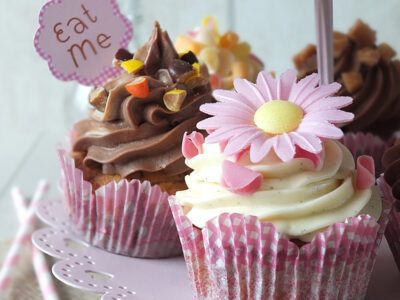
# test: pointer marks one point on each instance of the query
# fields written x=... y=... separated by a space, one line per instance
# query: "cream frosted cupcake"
x=276 y=208
x=225 y=55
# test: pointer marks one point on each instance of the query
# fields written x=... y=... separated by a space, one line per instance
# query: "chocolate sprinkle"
x=123 y=54
x=179 y=67
x=190 y=57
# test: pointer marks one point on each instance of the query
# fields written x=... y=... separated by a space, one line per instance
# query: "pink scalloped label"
x=78 y=39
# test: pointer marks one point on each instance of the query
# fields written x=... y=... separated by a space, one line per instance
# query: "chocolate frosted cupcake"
x=391 y=164
x=127 y=155
x=368 y=73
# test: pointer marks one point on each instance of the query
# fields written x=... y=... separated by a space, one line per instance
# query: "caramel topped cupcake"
x=368 y=73
x=137 y=120
x=226 y=56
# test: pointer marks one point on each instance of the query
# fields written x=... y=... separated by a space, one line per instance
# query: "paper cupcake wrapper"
x=129 y=218
x=239 y=257
x=392 y=235
x=367 y=144
x=392 y=232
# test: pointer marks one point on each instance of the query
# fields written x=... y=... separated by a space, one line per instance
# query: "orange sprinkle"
x=229 y=40
x=138 y=88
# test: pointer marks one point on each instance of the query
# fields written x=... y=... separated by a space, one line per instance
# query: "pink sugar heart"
x=239 y=179
x=192 y=144
x=365 y=172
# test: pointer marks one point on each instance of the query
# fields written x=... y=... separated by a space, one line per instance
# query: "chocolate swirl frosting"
x=391 y=165
x=367 y=73
x=127 y=135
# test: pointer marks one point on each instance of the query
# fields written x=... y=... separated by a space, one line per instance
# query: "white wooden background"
x=36 y=109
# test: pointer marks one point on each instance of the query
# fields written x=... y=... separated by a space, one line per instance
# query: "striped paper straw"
x=23 y=233
x=324 y=31
x=42 y=272
x=19 y=204
x=43 y=275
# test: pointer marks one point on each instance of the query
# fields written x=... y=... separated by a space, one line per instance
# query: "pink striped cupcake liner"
x=392 y=232
x=367 y=144
x=238 y=257
x=130 y=218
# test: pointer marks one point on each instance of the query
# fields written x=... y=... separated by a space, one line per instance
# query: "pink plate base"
x=116 y=277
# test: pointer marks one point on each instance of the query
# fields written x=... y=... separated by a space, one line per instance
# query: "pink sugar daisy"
x=275 y=114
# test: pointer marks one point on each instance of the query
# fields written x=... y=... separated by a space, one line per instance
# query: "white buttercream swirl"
x=298 y=198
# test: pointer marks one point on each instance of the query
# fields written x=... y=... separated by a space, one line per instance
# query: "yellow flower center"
x=278 y=116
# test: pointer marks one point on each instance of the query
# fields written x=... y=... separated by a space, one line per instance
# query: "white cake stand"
x=119 y=277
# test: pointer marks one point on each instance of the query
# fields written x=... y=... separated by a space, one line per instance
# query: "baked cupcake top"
x=368 y=73
x=137 y=120
x=225 y=55
x=272 y=152
x=391 y=165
